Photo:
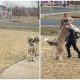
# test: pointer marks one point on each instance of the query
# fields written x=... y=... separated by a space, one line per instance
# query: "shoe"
x=69 y=56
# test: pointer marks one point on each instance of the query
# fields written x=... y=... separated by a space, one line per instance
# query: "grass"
x=60 y=16
x=35 y=29
x=13 y=45
x=29 y=20
x=26 y=19
x=49 y=31
x=55 y=69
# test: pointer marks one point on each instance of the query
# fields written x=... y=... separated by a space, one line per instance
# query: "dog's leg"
x=32 y=58
x=30 y=55
x=58 y=56
x=36 y=50
x=59 y=52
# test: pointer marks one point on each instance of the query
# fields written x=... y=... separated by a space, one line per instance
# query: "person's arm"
x=77 y=29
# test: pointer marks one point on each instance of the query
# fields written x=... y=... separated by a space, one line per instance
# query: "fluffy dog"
x=59 y=43
x=64 y=32
x=32 y=48
x=66 y=24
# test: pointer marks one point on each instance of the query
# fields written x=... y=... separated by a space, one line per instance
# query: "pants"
x=73 y=44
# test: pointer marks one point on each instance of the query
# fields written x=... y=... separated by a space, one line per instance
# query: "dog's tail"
x=51 y=43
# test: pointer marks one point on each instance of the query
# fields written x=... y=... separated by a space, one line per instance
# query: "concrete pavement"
x=22 y=70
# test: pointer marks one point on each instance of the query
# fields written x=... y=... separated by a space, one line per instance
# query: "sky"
x=19 y=3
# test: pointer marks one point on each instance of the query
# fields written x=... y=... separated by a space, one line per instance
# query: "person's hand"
x=77 y=30
x=67 y=27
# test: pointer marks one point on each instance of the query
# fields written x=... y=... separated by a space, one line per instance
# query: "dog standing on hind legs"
x=32 y=48
x=63 y=33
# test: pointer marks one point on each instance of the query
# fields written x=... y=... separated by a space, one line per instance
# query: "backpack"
x=77 y=35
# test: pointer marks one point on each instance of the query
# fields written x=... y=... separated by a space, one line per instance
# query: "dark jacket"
x=72 y=36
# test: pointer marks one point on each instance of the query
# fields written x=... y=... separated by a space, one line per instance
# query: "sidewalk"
x=22 y=70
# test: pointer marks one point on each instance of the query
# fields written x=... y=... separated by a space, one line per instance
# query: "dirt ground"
x=13 y=46
x=55 y=69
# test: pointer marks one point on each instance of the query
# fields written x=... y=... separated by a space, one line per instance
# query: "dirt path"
x=54 y=69
x=22 y=70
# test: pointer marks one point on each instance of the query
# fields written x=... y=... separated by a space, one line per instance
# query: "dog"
x=59 y=43
x=32 y=48
x=63 y=33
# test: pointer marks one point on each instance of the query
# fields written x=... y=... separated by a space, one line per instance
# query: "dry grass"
x=50 y=30
x=26 y=19
x=13 y=46
x=60 y=16
x=29 y=20
x=55 y=69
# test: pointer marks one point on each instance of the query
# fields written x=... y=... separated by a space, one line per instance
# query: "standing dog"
x=32 y=48
x=63 y=33
x=66 y=24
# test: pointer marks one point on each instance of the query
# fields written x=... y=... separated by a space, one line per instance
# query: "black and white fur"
x=32 y=48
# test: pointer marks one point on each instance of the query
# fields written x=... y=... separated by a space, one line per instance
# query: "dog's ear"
x=36 y=39
x=30 y=39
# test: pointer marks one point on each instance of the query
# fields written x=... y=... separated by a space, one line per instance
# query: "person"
x=71 y=39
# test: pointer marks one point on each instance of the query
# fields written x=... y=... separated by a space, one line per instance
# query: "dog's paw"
x=36 y=54
x=31 y=60
x=60 y=58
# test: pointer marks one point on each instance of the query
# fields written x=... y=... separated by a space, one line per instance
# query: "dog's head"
x=36 y=39
x=63 y=21
x=67 y=20
x=32 y=40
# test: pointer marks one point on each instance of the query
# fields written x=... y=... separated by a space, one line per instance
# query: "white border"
x=40 y=41
x=39 y=0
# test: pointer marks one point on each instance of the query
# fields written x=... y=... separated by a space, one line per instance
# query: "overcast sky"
x=19 y=3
